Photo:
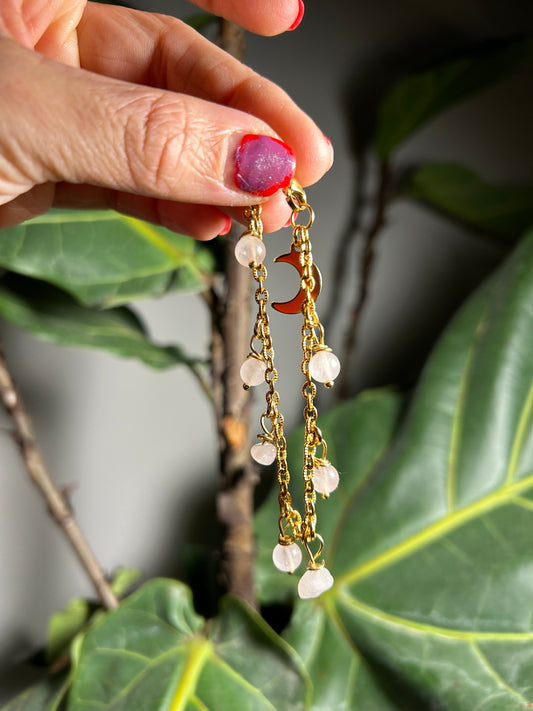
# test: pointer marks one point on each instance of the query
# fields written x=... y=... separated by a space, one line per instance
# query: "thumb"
x=58 y=123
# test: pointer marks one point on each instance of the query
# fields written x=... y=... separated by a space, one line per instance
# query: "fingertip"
x=299 y=16
x=227 y=227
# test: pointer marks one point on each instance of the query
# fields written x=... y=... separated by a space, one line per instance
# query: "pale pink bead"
x=314 y=582
x=264 y=453
x=324 y=367
x=250 y=249
x=325 y=479
x=287 y=558
x=253 y=371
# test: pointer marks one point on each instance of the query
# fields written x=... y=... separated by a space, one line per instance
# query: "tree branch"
x=347 y=239
x=365 y=271
x=230 y=335
x=56 y=501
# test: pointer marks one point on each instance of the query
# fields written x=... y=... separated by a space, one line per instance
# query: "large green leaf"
x=103 y=258
x=45 y=696
x=504 y=211
x=54 y=316
x=433 y=554
x=417 y=98
x=154 y=652
x=342 y=681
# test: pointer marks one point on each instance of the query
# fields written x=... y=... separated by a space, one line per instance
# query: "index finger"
x=160 y=51
x=265 y=17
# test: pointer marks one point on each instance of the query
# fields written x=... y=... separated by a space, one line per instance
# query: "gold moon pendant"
x=294 y=306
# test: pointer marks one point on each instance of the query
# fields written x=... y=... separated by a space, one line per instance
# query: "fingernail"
x=299 y=16
x=288 y=222
x=330 y=144
x=227 y=227
x=263 y=165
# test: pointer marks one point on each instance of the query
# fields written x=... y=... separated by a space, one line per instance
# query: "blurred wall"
x=138 y=447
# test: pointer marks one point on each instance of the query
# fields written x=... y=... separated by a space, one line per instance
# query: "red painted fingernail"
x=288 y=222
x=299 y=16
x=263 y=165
x=226 y=228
x=330 y=144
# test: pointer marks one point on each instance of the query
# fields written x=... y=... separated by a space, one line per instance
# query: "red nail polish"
x=287 y=224
x=227 y=227
x=263 y=165
x=299 y=16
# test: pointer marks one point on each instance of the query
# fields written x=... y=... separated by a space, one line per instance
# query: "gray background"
x=139 y=446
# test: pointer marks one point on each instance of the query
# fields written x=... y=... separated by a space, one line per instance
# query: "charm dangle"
x=319 y=364
x=294 y=306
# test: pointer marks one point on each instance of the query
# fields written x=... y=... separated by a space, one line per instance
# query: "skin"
x=104 y=106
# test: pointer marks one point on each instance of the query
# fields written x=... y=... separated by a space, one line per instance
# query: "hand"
x=108 y=107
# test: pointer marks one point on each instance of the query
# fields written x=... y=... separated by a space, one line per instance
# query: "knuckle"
x=154 y=142
x=170 y=151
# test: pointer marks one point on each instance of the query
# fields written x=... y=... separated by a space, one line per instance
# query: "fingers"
x=203 y=222
x=161 y=51
x=265 y=17
x=49 y=27
x=92 y=129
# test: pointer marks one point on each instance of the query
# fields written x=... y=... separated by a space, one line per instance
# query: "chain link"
x=312 y=332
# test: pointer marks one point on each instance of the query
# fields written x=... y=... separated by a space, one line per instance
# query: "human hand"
x=152 y=127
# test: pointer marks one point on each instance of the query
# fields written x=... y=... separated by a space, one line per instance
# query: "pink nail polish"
x=299 y=16
x=227 y=227
x=263 y=165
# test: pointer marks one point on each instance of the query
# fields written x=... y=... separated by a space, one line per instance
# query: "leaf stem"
x=365 y=271
x=56 y=501
x=347 y=239
x=203 y=380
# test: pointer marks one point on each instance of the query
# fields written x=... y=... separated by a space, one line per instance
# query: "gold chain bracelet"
x=318 y=364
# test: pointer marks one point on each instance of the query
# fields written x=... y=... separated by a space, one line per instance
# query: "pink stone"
x=314 y=582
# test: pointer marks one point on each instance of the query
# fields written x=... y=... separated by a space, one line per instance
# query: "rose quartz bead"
x=250 y=249
x=253 y=371
x=287 y=558
x=324 y=366
x=314 y=582
x=264 y=453
x=325 y=479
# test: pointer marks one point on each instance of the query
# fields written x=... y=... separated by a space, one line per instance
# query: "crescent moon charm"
x=294 y=306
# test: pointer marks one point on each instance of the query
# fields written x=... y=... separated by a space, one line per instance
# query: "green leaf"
x=154 y=652
x=418 y=98
x=45 y=696
x=63 y=626
x=504 y=211
x=123 y=580
x=52 y=315
x=340 y=676
x=432 y=555
x=103 y=258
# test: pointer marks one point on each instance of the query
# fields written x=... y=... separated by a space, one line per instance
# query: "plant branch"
x=238 y=477
x=55 y=500
x=365 y=272
x=348 y=236
x=230 y=335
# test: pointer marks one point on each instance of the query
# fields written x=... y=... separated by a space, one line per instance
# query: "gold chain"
x=289 y=517
x=292 y=525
